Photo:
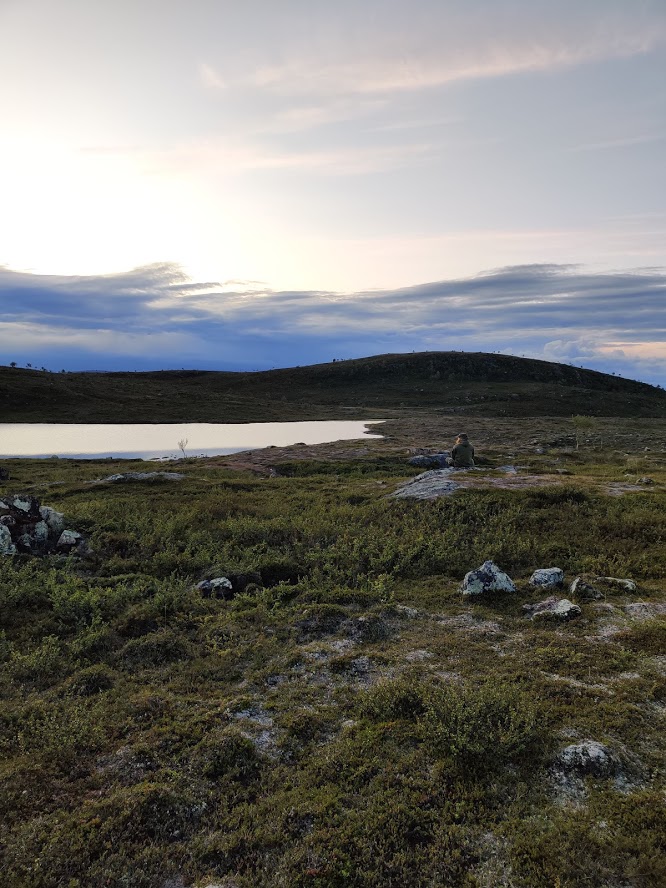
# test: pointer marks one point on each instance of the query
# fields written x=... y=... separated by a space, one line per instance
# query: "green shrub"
x=154 y=649
x=390 y=700
x=481 y=728
x=90 y=681
x=41 y=666
x=226 y=754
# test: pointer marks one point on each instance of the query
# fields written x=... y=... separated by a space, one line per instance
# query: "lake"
x=162 y=440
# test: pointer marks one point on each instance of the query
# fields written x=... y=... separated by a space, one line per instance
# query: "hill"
x=383 y=385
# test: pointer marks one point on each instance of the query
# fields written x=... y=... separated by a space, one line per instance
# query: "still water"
x=163 y=440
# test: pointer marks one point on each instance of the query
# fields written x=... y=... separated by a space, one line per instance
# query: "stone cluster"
x=489 y=579
x=26 y=526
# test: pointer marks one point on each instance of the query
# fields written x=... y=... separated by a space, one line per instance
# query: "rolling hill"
x=378 y=386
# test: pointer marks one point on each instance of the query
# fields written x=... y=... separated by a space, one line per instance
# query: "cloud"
x=441 y=46
x=157 y=316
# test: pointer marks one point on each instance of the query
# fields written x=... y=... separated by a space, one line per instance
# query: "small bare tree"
x=182 y=444
x=582 y=424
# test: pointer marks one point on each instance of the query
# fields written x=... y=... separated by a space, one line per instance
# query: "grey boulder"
x=488 y=578
x=589 y=757
x=430 y=460
x=547 y=578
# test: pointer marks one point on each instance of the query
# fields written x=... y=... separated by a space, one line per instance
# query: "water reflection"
x=162 y=440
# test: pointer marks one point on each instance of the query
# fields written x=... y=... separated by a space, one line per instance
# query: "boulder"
x=430 y=460
x=553 y=608
x=583 y=590
x=591 y=588
x=4 y=474
x=220 y=587
x=229 y=585
x=68 y=541
x=486 y=579
x=7 y=546
x=589 y=757
x=547 y=577
x=54 y=520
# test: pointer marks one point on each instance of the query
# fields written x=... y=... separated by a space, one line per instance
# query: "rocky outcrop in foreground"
x=26 y=526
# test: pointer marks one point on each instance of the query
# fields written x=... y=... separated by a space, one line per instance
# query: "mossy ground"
x=354 y=723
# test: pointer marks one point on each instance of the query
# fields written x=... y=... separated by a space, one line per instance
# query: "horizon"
x=252 y=186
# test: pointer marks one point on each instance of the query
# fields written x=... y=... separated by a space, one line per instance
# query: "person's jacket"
x=463 y=455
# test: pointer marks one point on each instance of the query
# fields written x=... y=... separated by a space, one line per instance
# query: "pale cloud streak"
x=414 y=65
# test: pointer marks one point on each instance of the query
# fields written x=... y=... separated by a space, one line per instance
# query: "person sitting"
x=462 y=455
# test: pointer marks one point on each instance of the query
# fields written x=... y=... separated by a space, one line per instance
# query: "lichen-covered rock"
x=54 y=520
x=229 y=585
x=428 y=485
x=547 y=577
x=582 y=589
x=219 y=587
x=553 y=608
x=588 y=757
x=7 y=546
x=68 y=540
x=591 y=588
x=488 y=578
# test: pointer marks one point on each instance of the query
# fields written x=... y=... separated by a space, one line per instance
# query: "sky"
x=233 y=185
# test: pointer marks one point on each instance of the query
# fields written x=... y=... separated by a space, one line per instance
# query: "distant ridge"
x=379 y=386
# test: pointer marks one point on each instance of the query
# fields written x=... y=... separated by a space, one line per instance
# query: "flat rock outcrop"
x=139 y=476
x=428 y=485
x=588 y=757
x=552 y=609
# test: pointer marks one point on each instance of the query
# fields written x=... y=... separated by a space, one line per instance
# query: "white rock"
x=547 y=577
x=21 y=504
x=487 y=578
x=54 y=520
x=41 y=532
x=68 y=539
x=7 y=547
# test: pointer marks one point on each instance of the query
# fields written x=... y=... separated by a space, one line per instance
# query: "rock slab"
x=428 y=485
x=553 y=608
x=588 y=757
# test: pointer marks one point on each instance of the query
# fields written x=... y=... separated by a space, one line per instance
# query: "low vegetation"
x=348 y=721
